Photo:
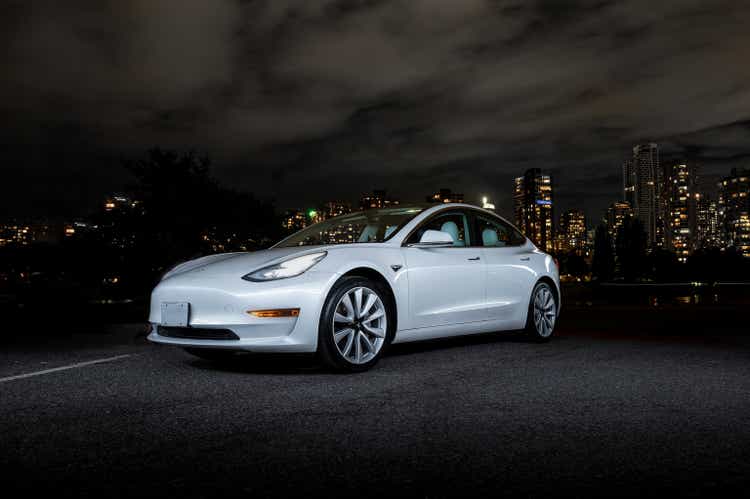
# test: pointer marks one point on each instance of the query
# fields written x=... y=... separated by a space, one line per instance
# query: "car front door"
x=446 y=284
x=509 y=277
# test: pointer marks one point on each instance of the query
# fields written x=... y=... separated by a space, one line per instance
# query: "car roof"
x=439 y=206
x=431 y=209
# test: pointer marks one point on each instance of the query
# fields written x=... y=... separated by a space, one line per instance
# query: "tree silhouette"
x=179 y=200
x=663 y=266
x=573 y=264
x=183 y=203
x=714 y=264
x=630 y=246
x=603 y=263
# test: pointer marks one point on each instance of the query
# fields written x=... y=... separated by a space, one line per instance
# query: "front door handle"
x=525 y=259
x=474 y=259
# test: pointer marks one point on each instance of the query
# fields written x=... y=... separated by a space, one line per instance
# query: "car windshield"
x=369 y=226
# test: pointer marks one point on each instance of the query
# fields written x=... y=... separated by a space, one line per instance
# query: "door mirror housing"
x=434 y=239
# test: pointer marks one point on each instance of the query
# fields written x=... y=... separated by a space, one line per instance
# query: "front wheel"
x=540 y=322
x=356 y=325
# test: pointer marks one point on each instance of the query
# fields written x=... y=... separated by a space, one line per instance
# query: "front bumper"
x=222 y=302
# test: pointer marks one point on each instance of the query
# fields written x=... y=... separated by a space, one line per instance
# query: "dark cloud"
x=305 y=101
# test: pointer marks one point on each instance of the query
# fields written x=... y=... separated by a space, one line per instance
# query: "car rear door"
x=507 y=255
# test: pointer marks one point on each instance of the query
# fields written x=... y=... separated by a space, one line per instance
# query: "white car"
x=349 y=286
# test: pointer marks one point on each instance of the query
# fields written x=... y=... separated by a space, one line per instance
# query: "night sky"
x=308 y=101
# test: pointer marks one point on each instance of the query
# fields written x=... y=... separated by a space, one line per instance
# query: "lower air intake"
x=197 y=333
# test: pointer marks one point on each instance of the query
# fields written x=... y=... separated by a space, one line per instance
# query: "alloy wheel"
x=359 y=325
x=545 y=311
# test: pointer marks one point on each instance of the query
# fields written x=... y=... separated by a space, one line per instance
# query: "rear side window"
x=494 y=233
x=455 y=223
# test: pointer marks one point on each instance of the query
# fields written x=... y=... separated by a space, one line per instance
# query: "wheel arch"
x=555 y=290
x=377 y=276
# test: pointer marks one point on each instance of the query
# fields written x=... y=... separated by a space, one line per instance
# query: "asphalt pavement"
x=587 y=414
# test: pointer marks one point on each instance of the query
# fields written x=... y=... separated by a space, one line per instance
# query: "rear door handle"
x=525 y=259
x=474 y=259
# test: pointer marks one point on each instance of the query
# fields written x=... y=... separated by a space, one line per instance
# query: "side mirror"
x=434 y=239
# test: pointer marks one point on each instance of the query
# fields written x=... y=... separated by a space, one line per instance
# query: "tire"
x=352 y=336
x=212 y=354
x=542 y=316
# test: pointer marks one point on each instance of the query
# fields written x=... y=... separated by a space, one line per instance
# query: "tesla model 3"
x=350 y=286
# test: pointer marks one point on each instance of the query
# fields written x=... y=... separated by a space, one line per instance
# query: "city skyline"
x=682 y=214
x=673 y=207
x=594 y=206
x=668 y=194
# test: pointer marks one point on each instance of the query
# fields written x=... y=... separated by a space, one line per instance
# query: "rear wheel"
x=213 y=354
x=356 y=325
x=540 y=322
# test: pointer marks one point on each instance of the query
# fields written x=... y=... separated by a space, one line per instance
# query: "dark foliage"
x=573 y=264
x=662 y=266
x=603 y=264
x=713 y=264
x=631 y=244
x=182 y=203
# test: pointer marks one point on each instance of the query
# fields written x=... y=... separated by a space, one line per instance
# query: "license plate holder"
x=175 y=314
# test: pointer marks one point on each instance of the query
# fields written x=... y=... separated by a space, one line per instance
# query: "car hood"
x=238 y=264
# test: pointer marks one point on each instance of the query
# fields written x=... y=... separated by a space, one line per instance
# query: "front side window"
x=497 y=234
x=455 y=223
x=369 y=226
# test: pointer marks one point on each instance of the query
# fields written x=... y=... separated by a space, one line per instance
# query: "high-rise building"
x=335 y=233
x=590 y=238
x=445 y=196
x=734 y=207
x=628 y=182
x=294 y=220
x=336 y=208
x=314 y=216
x=572 y=233
x=28 y=231
x=378 y=199
x=15 y=233
x=487 y=204
x=532 y=200
x=707 y=228
x=616 y=215
x=678 y=204
x=641 y=180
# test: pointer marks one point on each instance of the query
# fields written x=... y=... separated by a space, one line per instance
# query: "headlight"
x=288 y=268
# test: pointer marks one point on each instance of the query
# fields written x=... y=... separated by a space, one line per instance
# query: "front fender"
x=388 y=262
